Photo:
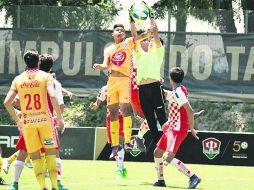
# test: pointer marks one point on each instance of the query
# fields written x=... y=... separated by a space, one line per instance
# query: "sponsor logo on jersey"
x=33 y=84
x=48 y=142
x=211 y=147
x=118 y=58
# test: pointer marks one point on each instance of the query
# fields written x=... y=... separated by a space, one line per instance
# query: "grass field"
x=100 y=175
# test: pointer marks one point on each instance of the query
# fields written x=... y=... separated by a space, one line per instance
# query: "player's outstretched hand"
x=97 y=67
x=71 y=95
x=93 y=106
x=61 y=125
x=194 y=134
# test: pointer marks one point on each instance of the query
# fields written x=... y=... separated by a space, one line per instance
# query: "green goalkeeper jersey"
x=149 y=63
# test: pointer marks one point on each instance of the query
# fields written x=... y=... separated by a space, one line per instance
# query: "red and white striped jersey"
x=178 y=116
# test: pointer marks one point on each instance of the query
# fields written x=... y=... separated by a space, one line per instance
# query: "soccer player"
x=36 y=122
x=121 y=170
x=2 y=182
x=175 y=130
x=149 y=55
x=46 y=64
x=118 y=59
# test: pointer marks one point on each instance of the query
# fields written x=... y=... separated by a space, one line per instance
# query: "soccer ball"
x=139 y=12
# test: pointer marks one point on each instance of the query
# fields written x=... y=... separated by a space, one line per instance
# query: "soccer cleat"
x=124 y=173
x=194 y=181
x=121 y=174
x=140 y=143
x=2 y=182
x=127 y=147
x=159 y=183
x=6 y=166
x=29 y=164
x=14 y=186
x=60 y=186
x=115 y=150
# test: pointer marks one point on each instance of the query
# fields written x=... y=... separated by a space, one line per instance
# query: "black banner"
x=217 y=66
x=75 y=143
x=213 y=148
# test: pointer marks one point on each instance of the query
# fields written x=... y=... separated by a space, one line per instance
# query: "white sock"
x=143 y=129
x=159 y=167
x=181 y=167
x=59 y=168
x=18 y=167
x=120 y=159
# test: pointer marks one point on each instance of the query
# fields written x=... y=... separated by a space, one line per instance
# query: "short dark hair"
x=118 y=25
x=176 y=74
x=31 y=58
x=46 y=62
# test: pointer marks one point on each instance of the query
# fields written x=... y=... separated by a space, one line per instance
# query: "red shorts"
x=135 y=101
x=171 y=140
x=120 y=118
x=21 y=145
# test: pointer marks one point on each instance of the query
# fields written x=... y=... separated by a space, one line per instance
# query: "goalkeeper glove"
x=150 y=11
x=130 y=14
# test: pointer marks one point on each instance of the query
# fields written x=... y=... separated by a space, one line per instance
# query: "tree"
x=249 y=5
x=75 y=14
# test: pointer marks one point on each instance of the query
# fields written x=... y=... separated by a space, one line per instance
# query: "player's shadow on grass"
x=168 y=186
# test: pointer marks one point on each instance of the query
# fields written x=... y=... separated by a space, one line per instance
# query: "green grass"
x=100 y=175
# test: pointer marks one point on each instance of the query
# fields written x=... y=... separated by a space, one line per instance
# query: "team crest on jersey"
x=118 y=58
x=135 y=150
x=211 y=147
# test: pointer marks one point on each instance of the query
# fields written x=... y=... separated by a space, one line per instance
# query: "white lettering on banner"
x=235 y=51
x=182 y=50
x=51 y=48
x=202 y=57
x=89 y=61
x=15 y=55
x=66 y=59
x=2 y=55
x=250 y=66
x=9 y=141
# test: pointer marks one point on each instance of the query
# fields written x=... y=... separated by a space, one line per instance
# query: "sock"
x=18 y=167
x=120 y=159
x=143 y=129
x=43 y=161
x=159 y=167
x=59 y=168
x=13 y=157
x=181 y=167
x=52 y=169
x=127 y=128
x=114 y=132
x=39 y=172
